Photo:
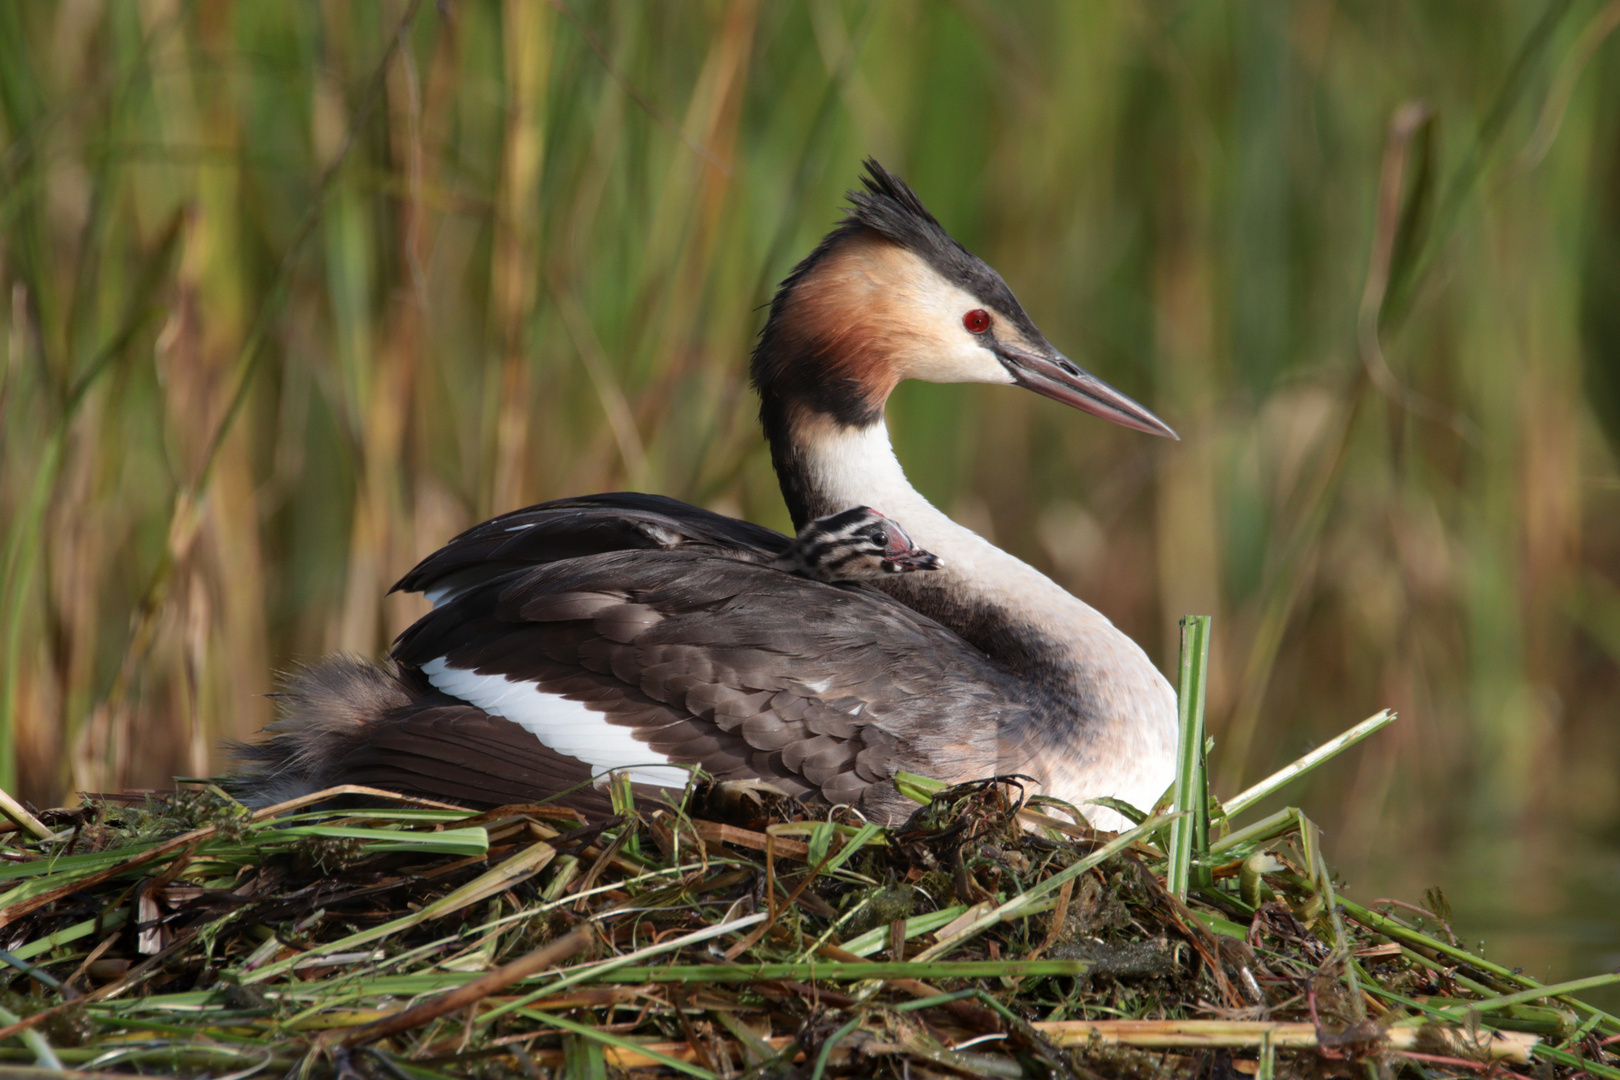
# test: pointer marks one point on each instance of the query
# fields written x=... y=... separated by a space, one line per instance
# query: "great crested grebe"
x=639 y=634
x=858 y=544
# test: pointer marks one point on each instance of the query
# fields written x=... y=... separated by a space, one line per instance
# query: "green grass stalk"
x=1327 y=751
x=1189 y=832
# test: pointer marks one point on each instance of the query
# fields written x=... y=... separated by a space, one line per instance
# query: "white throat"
x=1135 y=735
x=855 y=466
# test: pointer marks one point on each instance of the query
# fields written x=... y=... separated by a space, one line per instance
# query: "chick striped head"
x=858 y=544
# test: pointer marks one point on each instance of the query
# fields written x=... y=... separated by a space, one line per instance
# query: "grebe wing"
x=644 y=661
x=590 y=525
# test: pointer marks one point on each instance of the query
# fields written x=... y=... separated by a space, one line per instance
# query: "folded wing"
x=591 y=525
x=648 y=661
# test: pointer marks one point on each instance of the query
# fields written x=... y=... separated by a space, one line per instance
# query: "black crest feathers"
x=889 y=207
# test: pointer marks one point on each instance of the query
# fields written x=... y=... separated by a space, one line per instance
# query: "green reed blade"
x=1330 y=749
x=1189 y=833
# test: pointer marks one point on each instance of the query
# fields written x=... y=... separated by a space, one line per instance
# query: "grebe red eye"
x=977 y=321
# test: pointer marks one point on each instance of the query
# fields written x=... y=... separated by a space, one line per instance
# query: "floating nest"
x=731 y=934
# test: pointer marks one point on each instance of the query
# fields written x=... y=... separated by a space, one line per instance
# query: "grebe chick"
x=858 y=544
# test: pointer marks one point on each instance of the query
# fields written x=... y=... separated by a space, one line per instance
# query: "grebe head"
x=858 y=544
x=889 y=295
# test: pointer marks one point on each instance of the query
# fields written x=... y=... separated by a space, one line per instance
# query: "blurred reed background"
x=293 y=292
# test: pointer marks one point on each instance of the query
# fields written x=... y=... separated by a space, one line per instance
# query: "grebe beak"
x=902 y=556
x=1061 y=379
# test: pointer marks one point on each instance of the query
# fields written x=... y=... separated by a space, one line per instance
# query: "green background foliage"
x=293 y=292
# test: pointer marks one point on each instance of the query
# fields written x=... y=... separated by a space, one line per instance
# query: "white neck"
x=1127 y=748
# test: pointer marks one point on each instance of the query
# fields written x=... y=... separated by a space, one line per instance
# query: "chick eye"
x=976 y=321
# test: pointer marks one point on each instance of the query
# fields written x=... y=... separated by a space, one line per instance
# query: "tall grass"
x=294 y=292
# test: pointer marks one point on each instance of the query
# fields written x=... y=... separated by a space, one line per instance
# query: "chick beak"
x=901 y=556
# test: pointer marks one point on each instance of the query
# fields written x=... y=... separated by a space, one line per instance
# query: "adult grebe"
x=636 y=633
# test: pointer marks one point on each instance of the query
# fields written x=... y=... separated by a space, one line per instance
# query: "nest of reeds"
x=728 y=934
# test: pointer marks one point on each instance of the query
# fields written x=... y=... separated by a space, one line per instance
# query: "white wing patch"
x=565 y=726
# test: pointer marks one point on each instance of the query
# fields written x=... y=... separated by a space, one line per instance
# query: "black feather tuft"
x=888 y=206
